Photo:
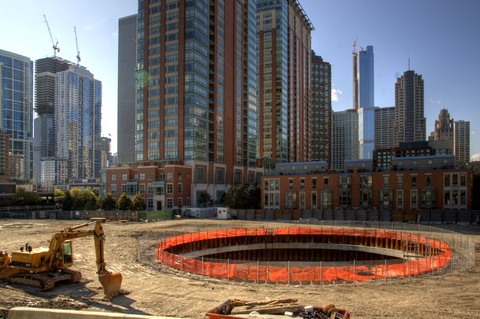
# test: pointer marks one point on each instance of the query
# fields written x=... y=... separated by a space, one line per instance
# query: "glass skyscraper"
x=16 y=112
x=366 y=111
x=78 y=116
x=366 y=77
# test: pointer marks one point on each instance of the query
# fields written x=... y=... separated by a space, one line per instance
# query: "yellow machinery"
x=43 y=267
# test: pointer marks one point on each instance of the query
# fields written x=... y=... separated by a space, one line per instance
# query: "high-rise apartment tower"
x=44 y=144
x=321 y=111
x=284 y=66
x=127 y=62
x=16 y=112
x=196 y=88
x=409 y=123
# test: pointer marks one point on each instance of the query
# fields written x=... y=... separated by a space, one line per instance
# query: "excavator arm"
x=111 y=281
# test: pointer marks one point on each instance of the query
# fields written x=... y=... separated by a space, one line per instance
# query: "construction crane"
x=54 y=44
x=76 y=42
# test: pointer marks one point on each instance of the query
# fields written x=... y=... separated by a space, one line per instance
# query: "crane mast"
x=76 y=42
x=54 y=44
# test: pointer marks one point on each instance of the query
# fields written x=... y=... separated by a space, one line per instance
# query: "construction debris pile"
x=274 y=309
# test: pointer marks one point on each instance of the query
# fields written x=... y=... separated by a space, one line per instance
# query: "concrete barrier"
x=42 y=313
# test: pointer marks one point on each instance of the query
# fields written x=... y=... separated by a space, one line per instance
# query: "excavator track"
x=41 y=282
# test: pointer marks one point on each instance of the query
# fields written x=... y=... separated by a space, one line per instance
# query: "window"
x=169 y=188
x=150 y=204
x=325 y=182
x=200 y=174
x=314 y=200
x=429 y=180
x=447 y=180
x=399 y=199
x=169 y=203
x=142 y=176
x=114 y=189
x=179 y=202
x=414 y=181
x=150 y=189
x=290 y=199
x=302 y=183
x=142 y=188
x=314 y=183
x=169 y=175
x=150 y=176
x=179 y=188
x=114 y=177
x=219 y=175
x=302 y=200
x=463 y=180
x=124 y=177
x=413 y=199
x=386 y=180
x=399 y=180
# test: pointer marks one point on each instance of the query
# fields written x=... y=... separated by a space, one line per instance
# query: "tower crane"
x=76 y=42
x=54 y=44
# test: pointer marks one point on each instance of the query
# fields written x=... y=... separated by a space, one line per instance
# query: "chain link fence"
x=461 y=258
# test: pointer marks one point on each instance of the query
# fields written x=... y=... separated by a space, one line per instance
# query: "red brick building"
x=163 y=185
x=402 y=190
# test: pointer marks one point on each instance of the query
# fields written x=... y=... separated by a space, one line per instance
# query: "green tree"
x=22 y=198
x=67 y=202
x=138 y=203
x=108 y=202
x=124 y=202
x=83 y=199
x=58 y=196
x=204 y=199
x=244 y=196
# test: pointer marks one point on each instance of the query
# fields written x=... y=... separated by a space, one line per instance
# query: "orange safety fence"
x=309 y=274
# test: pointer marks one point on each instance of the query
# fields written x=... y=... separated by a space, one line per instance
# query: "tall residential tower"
x=16 y=112
x=409 y=123
x=284 y=66
x=127 y=62
x=321 y=111
x=197 y=89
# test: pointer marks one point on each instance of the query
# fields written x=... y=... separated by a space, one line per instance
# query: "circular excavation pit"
x=303 y=255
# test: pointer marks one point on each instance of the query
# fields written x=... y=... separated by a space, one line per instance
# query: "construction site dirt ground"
x=149 y=288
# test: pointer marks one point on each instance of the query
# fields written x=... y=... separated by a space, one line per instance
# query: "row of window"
x=454 y=198
x=132 y=189
x=151 y=176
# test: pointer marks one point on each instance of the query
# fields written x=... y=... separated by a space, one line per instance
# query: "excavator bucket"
x=111 y=283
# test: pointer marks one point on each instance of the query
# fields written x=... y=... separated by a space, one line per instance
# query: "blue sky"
x=439 y=36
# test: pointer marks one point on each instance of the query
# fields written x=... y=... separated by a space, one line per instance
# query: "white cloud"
x=475 y=157
x=336 y=95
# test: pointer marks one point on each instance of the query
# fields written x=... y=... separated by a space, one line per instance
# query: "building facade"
x=429 y=187
x=366 y=132
x=163 y=185
x=344 y=138
x=16 y=112
x=78 y=115
x=366 y=77
x=409 y=125
x=284 y=66
x=197 y=91
x=321 y=111
x=383 y=124
x=44 y=144
x=4 y=157
x=461 y=142
x=127 y=64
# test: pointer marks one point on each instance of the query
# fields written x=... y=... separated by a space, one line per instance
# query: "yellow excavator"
x=43 y=267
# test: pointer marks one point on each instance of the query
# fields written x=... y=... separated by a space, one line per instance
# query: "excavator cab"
x=67 y=249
